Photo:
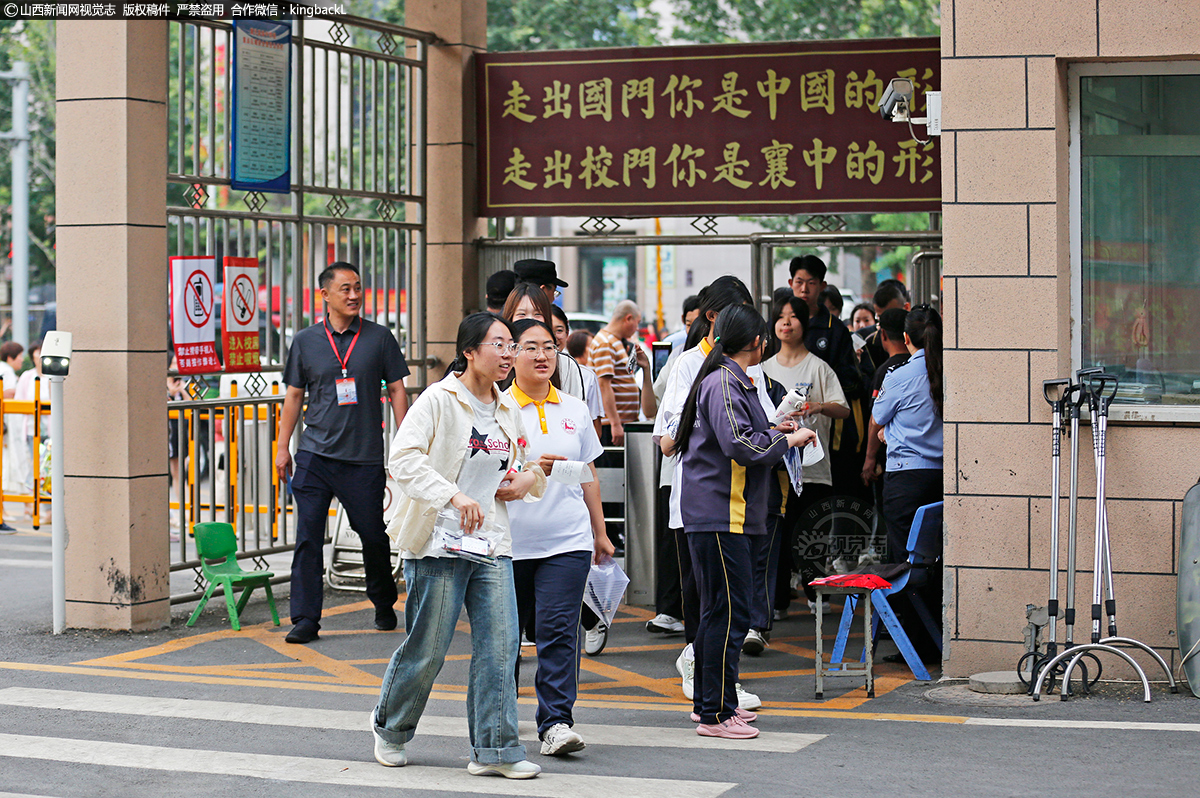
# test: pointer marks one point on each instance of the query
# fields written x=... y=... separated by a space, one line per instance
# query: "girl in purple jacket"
x=728 y=448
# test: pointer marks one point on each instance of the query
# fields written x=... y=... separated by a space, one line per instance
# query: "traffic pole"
x=58 y=510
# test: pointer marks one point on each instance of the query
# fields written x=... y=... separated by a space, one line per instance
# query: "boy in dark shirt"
x=891 y=336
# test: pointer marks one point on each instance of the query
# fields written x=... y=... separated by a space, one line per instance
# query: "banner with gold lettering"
x=790 y=127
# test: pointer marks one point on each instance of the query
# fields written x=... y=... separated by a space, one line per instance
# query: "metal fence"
x=358 y=194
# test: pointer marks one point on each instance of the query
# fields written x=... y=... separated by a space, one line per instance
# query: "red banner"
x=779 y=128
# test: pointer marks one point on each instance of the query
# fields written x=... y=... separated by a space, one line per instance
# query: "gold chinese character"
x=867 y=91
x=686 y=101
x=555 y=101
x=640 y=159
x=595 y=98
x=777 y=165
x=910 y=159
x=595 y=168
x=514 y=106
x=678 y=157
x=556 y=170
x=637 y=90
x=732 y=169
x=817 y=157
x=867 y=164
x=516 y=170
x=731 y=98
x=816 y=90
x=920 y=86
x=772 y=88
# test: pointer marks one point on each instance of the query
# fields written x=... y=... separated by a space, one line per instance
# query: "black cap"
x=540 y=272
x=499 y=286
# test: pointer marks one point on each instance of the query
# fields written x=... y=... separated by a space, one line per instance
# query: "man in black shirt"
x=891 y=335
x=888 y=295
x=341 y=363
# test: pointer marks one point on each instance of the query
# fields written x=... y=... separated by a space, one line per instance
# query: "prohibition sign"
x=242 y=295
x=198 y=298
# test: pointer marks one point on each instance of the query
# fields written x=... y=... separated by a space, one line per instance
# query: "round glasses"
x=504 y=349
x=531 y=350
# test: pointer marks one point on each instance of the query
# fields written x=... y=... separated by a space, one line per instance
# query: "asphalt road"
x=209 y=711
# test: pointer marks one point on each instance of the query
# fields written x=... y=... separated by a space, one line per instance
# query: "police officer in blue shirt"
x=909 y=408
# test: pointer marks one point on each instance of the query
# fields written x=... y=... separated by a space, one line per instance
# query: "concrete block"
x=987 y=531
x=983 y=93
x=1148 y=28
x=1045 y=85
x=1048 y=253
x=979 y=298
x=1005 y=166
x=1003 y=459
x=1066 y=28
x=997 y=683
x=983 y=240
x=982 y=385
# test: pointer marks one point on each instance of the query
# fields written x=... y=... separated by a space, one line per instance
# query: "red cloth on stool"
x=870 y=581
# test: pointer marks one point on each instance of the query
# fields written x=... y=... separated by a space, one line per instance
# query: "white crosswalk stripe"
x=342 y=772
x=683 y=736
x=30 y=563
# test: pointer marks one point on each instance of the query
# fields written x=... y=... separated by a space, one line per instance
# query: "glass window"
x=1139 y=225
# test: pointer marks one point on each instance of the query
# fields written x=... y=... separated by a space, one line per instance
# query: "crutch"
x=1100 y=389
x=1100 y=398
x=1055 y=393
x=1062 y=396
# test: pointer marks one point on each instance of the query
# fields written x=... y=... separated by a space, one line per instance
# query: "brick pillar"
x=452 y=259
x=112 y=294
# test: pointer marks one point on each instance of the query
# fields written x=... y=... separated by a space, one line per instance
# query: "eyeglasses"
x=510 y=349
x=533 y=351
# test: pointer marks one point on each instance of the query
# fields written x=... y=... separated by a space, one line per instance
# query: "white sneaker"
x=509 y=770
x=754 y=644
x=594 y=640
x=812 y=606
x=559 y=739
x=779 y=615
x=390 y=755
x=664 y=625
x=686 y=665
x=746 y=700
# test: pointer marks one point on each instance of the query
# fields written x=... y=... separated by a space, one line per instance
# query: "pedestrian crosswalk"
x=683 y=736
x=36 y=554
x=357 y=770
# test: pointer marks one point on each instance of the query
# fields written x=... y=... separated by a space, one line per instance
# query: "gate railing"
x=358 y=194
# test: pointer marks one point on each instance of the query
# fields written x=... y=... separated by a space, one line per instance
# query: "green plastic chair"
x=216 y=544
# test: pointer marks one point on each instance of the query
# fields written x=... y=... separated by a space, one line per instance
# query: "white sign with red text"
x=193 y=328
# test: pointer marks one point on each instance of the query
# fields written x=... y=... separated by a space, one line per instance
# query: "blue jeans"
x=438 y=590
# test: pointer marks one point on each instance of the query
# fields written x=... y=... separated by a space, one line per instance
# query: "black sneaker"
x=303 y=632
x=385 y=619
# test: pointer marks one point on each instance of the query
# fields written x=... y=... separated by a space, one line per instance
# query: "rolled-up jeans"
x=438 y=590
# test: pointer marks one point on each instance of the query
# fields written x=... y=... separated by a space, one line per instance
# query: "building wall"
x=1008 y=327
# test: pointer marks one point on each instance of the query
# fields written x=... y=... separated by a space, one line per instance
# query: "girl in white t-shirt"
x=556 y=540
x=794 y=366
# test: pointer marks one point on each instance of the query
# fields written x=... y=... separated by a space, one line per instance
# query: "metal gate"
x=358 y=194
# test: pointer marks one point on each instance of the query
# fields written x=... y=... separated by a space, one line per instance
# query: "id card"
x=346 y=393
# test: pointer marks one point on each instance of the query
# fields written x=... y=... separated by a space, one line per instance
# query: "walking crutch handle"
x=1056 y=392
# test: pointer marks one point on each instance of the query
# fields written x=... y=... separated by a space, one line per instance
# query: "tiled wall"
x=1006 y=292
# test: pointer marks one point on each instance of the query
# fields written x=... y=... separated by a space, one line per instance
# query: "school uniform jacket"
x=729 y=457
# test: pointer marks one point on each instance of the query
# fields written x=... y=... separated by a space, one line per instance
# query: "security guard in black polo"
x=340 y=362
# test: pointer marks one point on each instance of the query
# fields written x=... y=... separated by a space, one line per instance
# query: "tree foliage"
x=33 y=43
x=564 y=24
x=783 y=20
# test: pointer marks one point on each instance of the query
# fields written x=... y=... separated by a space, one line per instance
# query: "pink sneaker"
x=744 y=715
x=732 y=729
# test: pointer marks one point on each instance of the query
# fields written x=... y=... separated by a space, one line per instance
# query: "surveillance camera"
x=56 y=353
x=896 y=100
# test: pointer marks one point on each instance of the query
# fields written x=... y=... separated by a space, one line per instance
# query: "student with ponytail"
x=728 y=448
x=909 y=408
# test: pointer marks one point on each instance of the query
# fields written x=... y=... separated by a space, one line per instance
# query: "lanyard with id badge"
x=347 y=394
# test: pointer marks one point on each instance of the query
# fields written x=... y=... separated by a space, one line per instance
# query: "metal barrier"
x=12 y=410
x=230 y=446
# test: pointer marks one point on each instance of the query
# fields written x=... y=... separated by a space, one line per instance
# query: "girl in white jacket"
x=457 y=459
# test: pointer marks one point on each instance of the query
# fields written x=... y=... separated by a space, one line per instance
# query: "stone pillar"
x=452 y=265
x=112 y=294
